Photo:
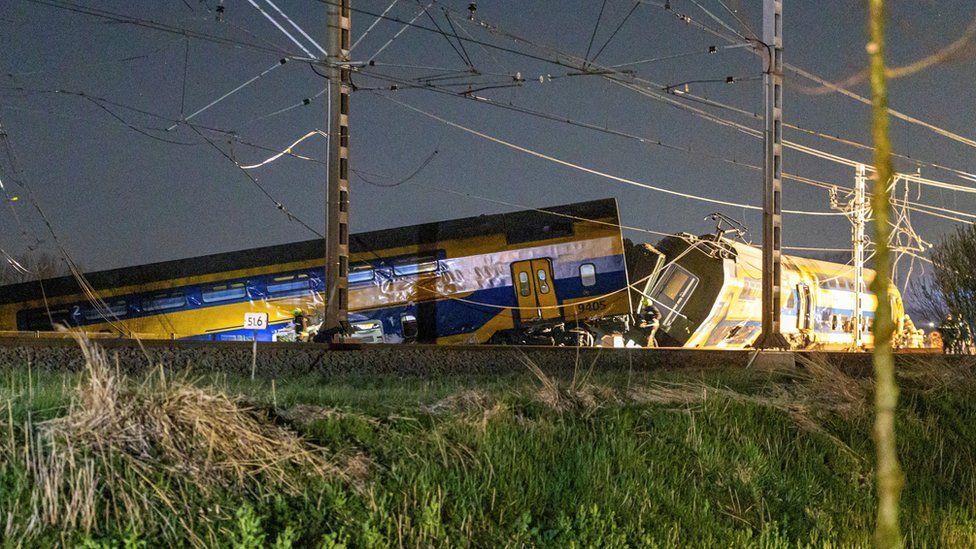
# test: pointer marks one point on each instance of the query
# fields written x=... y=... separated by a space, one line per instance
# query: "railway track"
x=288 y=359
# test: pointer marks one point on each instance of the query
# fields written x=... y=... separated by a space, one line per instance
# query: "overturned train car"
x=710 y=295
x=539 y=276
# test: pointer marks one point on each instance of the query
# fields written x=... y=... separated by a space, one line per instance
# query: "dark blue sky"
x=117 y=197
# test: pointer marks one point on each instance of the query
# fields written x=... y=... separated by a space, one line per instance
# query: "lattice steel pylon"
x=858 y=211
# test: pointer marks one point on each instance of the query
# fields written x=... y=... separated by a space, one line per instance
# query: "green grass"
x=709 y=459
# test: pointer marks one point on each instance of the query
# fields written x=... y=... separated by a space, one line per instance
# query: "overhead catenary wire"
x=735 y=15
x=407 y=24
x=446 y=36
x=717 y=19
x=304 y=102
x=806 y=180
x=954 y=215
x=585 y=125
x=510 y=204
x=103 y=309
x=615 y=31
x=248 y=82
x=654 y=93
x=710 y=50
x=282 y=29
x=281 y=207
x=163 y=27
x=372 y=26
x=360 y=174
x=844 y=91
x=610 y=75
x=592 y=171
x=89 y=66
x=298 y=28
x=596 y=27
x=286 y=151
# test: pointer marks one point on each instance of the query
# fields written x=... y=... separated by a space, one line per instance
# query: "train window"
x=587 y=272
x=414 y=267
x=42 y=321
x=224 y=292
x=408 y=323
x=112 y=310
x=162 y=302
x=524 y=288
x=361 y=273
x=678 y=280
x=543 y=281
x=280 y=284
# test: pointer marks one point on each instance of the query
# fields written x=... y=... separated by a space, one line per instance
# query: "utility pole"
x=859 y=218
x=771 y=337
x=858 y=213
x=337 y=195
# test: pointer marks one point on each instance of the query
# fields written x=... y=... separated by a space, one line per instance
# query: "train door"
x=534 y=289
x=804 y=318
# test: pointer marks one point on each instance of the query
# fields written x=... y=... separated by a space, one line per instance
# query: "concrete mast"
x=337 y=195
x=771 y=337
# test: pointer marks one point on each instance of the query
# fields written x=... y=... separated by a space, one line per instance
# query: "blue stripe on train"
x=451 y=317
x=447 y=317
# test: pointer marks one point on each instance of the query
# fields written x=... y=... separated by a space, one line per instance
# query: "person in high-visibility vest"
x=301 y=324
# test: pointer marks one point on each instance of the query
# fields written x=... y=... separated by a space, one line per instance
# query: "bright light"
x=931 y=324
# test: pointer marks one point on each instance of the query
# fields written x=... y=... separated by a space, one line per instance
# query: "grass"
x=607 y=459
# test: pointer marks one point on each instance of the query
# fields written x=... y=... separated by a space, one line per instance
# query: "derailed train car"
x=710 y=295
x=541 y=276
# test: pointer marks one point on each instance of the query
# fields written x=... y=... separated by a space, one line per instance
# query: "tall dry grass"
x=149 y=456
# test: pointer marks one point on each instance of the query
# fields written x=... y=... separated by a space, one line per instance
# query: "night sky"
x=118 y=197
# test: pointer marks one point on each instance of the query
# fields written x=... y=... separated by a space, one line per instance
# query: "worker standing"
x=301 y=324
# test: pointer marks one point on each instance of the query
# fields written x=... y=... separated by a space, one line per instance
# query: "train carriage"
x=710 y=295
x=473 y=280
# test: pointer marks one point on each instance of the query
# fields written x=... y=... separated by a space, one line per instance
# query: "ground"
x=601 y=459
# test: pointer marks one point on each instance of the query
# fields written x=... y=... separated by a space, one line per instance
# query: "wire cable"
x=287 y=151
x=281 y=28
x=615 y=31
x=299 y=29
x=250 y=81
x=591 y=170
x=278 y=205
x=370 y=28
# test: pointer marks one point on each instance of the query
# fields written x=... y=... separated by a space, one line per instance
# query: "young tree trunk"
x=889 y=475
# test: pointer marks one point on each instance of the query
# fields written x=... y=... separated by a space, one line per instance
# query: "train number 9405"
x=592 y=306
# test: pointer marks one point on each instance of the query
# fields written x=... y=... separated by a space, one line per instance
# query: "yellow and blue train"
x=557 y=276
x=710 y=296
x=523 y=277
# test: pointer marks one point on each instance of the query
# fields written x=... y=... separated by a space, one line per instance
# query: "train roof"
x=750 y=256
x=519 y=226
x=822 y=268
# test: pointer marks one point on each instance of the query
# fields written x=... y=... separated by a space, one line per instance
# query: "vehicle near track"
x=710 y=295
x=547 y=276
